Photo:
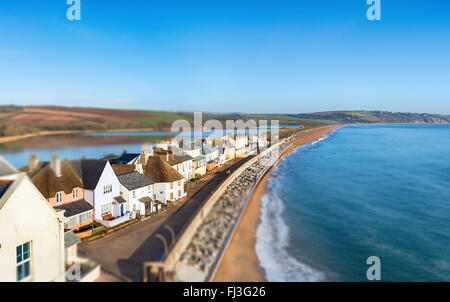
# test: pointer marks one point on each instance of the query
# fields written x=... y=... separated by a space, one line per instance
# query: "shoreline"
x=240 y=262
x=8 y=139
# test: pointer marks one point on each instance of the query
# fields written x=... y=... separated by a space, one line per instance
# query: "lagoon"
x=90 y=145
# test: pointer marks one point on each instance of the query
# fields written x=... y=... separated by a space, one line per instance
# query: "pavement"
x=122 y=253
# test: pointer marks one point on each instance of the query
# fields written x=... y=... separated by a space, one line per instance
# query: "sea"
x=361 y=191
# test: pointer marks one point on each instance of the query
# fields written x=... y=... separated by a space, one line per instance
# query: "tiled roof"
x=4 y=185
x=70 y=239
x=90 y=171
x=6 y=168
x=75 y=207
x=145 y=199
x=120 y=199
x=134 y=180
x=125 y=158
x=229 y=145
x=207 y=149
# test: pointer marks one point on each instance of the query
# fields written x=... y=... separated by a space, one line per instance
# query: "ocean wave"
x=272 y=240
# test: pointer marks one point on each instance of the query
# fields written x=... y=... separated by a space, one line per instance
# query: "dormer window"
x=75 y=193
x=59 y=197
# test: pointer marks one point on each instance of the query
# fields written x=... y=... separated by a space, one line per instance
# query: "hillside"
x=17 y=120
x=350 y=117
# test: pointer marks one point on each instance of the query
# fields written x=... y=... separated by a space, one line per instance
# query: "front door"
x=121 y=210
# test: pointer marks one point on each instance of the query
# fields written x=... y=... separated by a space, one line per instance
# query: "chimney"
x=144 y=157
x=33 y=163
x=55 y=165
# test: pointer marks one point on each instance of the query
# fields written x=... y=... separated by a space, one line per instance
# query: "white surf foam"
x=272 y=239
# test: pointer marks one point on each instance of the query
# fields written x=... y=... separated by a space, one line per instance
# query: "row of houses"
x=209 y=153
x=34 y=244
x=47 y=207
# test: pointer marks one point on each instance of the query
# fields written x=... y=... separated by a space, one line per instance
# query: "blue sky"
x=227 y=55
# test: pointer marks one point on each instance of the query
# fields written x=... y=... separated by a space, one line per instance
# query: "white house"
x=137 y=190
x=199 y=165
x=168 y=183
x=192 y=150
x=241 y=142
x=181 y=163
x=32 y=235
x=210 y=152
x=102 y=191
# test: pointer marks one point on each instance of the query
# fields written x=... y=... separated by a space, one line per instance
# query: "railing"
x=116 y=221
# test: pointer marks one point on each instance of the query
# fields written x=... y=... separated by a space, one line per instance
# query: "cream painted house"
x=32 y=232
x=168 y=182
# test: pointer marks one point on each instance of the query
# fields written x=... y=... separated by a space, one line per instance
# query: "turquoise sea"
x=379 y=190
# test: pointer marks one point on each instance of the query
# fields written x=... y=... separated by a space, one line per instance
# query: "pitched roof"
x=4 y=185
x=120 y=199
x=75 y=207
x=46 y=181
x=123 y=169
x=125 y=158
x=228 y=144
x=207 y=149
x=134 y=180
x=158 y=170
x=6 y=168
x=70 y=239
x=90 y=171
x=178 y=159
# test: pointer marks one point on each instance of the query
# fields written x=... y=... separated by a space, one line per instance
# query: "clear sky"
x=227 y=55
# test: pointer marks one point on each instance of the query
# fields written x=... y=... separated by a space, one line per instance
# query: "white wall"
x=27 y=216
x=140 y=193
x=108 y=178
x=165 y=188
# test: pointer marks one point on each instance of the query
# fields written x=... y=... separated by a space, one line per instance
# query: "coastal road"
x=122 y=253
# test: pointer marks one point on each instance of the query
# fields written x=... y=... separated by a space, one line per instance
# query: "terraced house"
x=102 y=191
x=182 y=163
x=168 y=182
x=61 y=186
x=32 y=238
x=137 y=190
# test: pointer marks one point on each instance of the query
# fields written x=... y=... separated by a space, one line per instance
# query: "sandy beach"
x=240 y=262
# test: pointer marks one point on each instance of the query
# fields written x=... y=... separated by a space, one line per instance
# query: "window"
x=73 y=221
x=85 y=217
x=134 y=194
x=171 y=185
x=179 y=183
x=23 y=261
x=171 y=196
x=75 y=193
x=149 y=189
x=107 y=189
x=179 y=193
x=106 y=209
x=59 y=197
